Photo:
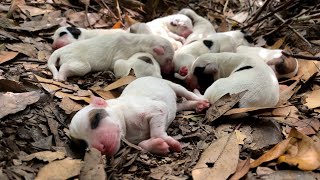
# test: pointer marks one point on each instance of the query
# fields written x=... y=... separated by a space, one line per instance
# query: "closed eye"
x=62 y=33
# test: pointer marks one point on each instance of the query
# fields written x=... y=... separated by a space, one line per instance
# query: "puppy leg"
x=73 y=69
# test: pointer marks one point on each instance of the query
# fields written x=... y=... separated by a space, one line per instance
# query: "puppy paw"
x=202 y=105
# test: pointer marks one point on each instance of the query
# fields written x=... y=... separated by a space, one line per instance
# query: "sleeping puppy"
x=100 y=53
x=141 y=114
x=215 y=43
x=143 y=64
x=175 y=28
x=66 y=35
x=234 y=73
x=202 y=28
x=283 y=67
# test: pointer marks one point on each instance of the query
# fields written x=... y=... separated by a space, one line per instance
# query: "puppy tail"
x=53 y=63
x=178 y=76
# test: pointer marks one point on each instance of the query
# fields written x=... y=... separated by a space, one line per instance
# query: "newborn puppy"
x=66 y=35
x=175 y=28
x=283 y=67
x=234 y=73
x=143 y=64
x=215 y=43
x=202 y=28
x=142 y=113
x=100 y=53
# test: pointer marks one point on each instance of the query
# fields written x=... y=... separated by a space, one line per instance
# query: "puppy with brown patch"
x=234 y=73
x=283 y=67
x=143 y=64
x=142 y=113
x=100 y=53
x=66 y=35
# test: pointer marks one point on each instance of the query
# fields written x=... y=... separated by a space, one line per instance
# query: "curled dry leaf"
x=219 y=160
x=242 y=169
x=120 y=82
x=62 y=169
x=93 y=166
x=7 y=56
x=11 y=103
x=47 y=156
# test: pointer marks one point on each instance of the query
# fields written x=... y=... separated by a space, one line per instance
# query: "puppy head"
x=64 y=36
x=180 y=24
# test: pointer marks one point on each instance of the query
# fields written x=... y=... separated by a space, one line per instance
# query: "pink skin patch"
x=192 y=82
x=202 y=105
x=106 y=140
x=60 y=42
x=186 y=33
x=98 y=102
x=161 y=146
x=168 y=67
x=183 y=71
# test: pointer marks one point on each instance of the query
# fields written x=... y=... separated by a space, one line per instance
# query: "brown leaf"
x=219 y=160
x=242 y=169
x=302 y=153
x=11 y=86
x=310 y=68
x=129 y=20
x=313 y=99
x=69 y=106
x=7 y=56
x=278 y=43
x=14 y=6
x=11 y=103
x=47 y=156
x=93 y=166
x=24 y=48
x=33 y=11
x=288 y=92
x=117 y=25
x=62 y=169
x=120 y=82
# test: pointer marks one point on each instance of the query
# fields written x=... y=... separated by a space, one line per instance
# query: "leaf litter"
x=226 y=142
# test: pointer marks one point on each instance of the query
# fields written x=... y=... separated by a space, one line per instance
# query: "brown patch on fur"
x=287 y=65
x=95 y=116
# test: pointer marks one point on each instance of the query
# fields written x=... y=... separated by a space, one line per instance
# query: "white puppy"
x=66 y=35
x=234 y=73
x=175 y=28
x=143 y=64
x=101 y=52
x=202 y=28
x=284 y=67
x=142 y=113
x=215 y=43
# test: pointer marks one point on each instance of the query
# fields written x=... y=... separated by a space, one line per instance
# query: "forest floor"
x=35 y=111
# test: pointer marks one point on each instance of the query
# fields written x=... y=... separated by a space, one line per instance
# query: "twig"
x=116 y=2
x=4 y=69
x=31 y=60
x=131 y=145
x=268 y=15
x=305 y=18
x=295 y=31
x=106 y=6
x=225 y=6
x=259 y=11
x=299 y=56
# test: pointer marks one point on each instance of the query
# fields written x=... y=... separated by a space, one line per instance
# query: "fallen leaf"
x=11 y=86
x=129 y=20
x=120 y=82
x=117 y=25
x=47 y=156
x=62 y=169
x=93 y=166
x=7 y=56
x=242 y=169
x=278 y=43
x=240 y=137
x=69 y=106
x=24 y=48
x=313 y=99
x=219 y=160
x=11 y=103
x=33 y=11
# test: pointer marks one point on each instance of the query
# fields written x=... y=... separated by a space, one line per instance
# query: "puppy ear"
x=159 y=50
x=210 y=69
x=98 y=102
x=174 y=23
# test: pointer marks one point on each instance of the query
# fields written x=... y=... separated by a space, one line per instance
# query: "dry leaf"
x=219 y=160
x=278 y=43
x=7 y=56
x=77 y=98
x=69 y=106
x=62 y=169
x=129 y=20
x=11 y=103
x=24 y=48
x=47 y=156
x=93 y=166
x=310 y=68
x=302 y=153
x=117 y=25
x=313 y=99
x=242 y=169
x=33 y=11
x=120 y=82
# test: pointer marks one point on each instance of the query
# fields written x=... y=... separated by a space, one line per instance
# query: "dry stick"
x=268 y=15
x=304 y=18
x=296 y=32
x=261 y=9
x=225 y=6
x=299 y=56
x=106 y=6
x=116 y=2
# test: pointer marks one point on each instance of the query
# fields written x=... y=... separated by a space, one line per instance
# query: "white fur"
x=222 y=42
x=85 y=34
x=267 y=55
x=164 y=27
x=260 y=81
x=140 y=67
x=202 y=28
x=145 y=109
x=100 y=53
